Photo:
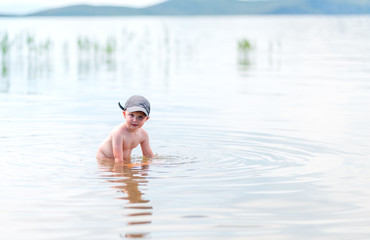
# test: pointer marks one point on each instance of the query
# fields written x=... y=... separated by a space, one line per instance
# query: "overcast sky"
x=28 y=6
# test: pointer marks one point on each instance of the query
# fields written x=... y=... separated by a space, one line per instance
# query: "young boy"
x=126 y=136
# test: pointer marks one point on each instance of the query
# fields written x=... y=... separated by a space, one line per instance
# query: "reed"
x=244 y=49
x=110 y=46
x=84 y=44
x=5 y=48
x=244 y=45
x=5 y=45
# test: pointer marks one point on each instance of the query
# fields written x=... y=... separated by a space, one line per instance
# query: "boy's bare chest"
x=130 y=142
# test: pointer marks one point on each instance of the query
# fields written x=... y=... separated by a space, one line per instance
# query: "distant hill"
x=87 y=10
x=219 y=7
x=7 y=15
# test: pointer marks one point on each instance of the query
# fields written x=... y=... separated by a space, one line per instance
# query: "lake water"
x=266 y=143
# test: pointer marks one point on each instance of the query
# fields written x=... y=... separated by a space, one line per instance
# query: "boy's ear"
x=124 y=114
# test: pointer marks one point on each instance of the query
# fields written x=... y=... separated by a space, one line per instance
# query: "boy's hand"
x=118 y=160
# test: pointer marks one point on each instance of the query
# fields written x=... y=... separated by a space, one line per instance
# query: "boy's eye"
x=131 y=115
x=141 y=117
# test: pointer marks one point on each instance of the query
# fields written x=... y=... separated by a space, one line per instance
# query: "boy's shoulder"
x=119 y=129
x=143 y=132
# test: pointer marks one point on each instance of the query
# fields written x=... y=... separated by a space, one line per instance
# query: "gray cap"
x=136 y=103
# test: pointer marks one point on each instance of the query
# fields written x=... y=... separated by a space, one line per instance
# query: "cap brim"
x=137 y=109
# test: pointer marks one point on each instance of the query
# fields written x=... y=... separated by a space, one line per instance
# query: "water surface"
x=268 y=145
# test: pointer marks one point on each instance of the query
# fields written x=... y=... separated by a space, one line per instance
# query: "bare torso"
x=127 y=140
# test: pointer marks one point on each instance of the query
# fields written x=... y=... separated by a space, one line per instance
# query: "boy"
x=126 y=136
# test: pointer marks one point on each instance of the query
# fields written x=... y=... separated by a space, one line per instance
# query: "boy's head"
x=136 y=103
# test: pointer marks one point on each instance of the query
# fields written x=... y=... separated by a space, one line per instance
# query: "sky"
x=29 y=6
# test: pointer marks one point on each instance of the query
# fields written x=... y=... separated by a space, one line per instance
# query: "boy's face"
x=135 y=120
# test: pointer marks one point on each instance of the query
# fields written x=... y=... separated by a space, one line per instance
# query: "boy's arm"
x=117 y=145
x=145 y=147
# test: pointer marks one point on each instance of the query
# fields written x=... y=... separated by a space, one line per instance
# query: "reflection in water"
x=274 y=53
x=125 y=55
x=92 y=55
x=4 y=79
x=23 y=57
x=269 y=54
x=130 y=178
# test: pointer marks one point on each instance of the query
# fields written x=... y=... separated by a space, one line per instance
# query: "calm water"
x=268 y=144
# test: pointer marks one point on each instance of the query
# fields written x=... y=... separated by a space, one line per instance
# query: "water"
x=268 y=145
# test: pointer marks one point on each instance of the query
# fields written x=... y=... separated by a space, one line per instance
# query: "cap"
x=136 y=103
